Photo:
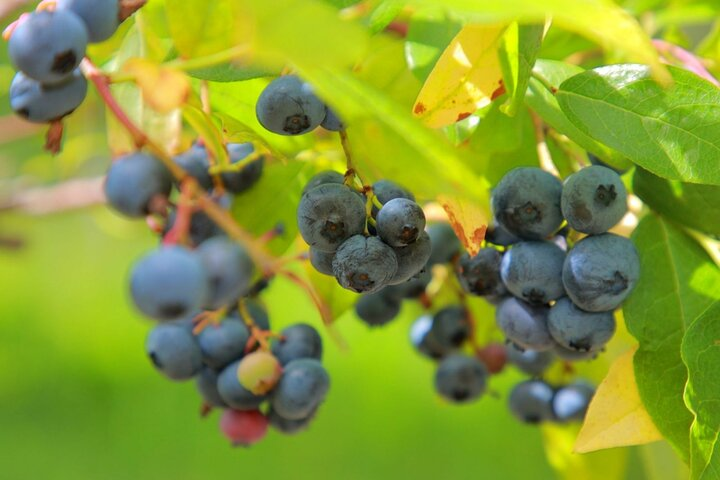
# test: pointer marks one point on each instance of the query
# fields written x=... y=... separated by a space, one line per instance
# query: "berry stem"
x=544 y=81
x=546 y=161
x=178 y=234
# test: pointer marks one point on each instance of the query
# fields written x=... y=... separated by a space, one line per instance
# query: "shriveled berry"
x=364 y=265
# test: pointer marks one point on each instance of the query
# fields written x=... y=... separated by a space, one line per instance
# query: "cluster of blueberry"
x=47 y=47
x=243 y=377
x=534 y=400
x=366 y=242
x=549 y=298
x=288 y=106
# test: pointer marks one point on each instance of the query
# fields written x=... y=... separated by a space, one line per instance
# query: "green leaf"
x=697 y=206
x=701 y=354
x=678 y=281
x=272 y=200
x=600 y=20
x=541 y=98
x=670 y=131
x=430 y=31
x=517 y=56
x=229 y=72
x=199 y=27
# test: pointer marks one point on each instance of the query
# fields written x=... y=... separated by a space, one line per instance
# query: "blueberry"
x=202 y=227
x=530 y=361
x=424 y=341
x=571 y=402
x=377 y=309
x=600 y=272
x=195 y=162
x=240 y=181
x=322 y=261
x=330 y=214
x=480 y=275
x=386 y=190
x=302 y=388
x=460 y=378
x=532 y=271
x=451 y=327
x=134 y=182
x=298 y=341
x=48 y=46
x=498 y=235
x=524 y=324
x=207 y=386
x=169 y=283
x=331 y=121
x=594 y=200
x=594 y=160
x=577 y=329
x=101 y=17
x=40 y=103
x=229 y=269
x=399 y=222
x=321 y=178
x=288 y=106
x=413 y=288
x=531 y=401
x=412 y=259
x=234 y=394
x=257 y=313
x=224 y=342
x=289 y=427
x=364 y=265
x=445 y=244
x=174 y=352
x=526 y=202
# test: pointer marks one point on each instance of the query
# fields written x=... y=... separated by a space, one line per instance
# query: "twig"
x=9 y=6
x=543 y=151
x=70 y=195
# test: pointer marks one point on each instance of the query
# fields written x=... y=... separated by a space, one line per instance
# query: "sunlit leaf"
x=520 y=47
x=616 y=416
x=466 y=78
x=163 y=89
x=468 y=221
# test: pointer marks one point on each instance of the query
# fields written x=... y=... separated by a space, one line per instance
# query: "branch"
x=70 y=195
x=9 y=6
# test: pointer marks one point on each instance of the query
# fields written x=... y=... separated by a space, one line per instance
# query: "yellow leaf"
x=163 y=89
x=467 y=219
x=617 y=417
x=467 y=77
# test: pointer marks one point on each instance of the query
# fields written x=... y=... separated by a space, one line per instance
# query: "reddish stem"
x=180 y=231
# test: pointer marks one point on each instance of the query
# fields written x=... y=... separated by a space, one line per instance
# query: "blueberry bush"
x=530 y=188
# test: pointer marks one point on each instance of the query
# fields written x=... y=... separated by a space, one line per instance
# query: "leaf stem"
x=208 y=61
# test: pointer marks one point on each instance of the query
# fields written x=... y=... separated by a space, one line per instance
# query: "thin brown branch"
x=70 y=195
x=9 y=6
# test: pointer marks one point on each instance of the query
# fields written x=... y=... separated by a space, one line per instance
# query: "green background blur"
x=79 y=400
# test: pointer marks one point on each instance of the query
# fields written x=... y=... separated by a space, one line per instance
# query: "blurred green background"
x=79 y=400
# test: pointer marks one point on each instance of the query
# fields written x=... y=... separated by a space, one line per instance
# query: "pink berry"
x=243 y=428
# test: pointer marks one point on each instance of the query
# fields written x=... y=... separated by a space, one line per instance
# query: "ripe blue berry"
x=386 y=190
x=330 y=214
x=223 y=343
x=195 y=162
x=134 y=182
x=233 y=393
x=524 y=324
x=531 y=401
x=498 y=235
x=573 y=355
x=571 y=401
x=533 y=271
x=289 y=427
x=229 y=269
x=480 y=275
x=40 y=103
x=594 y=200
x=174 y=352
x=437 y=336
x=412 y=259
x=445 y=244
x=460 y=378
x=577 y=329
x=530 y=361
x=202 y=227
x=240 y=181
x=399 y=222
x=526 y=202
x=364 y=265
x=296 y=342
x=48 y=46
x=331 y=121
x=169 y=283
x=322 y=261
x=600 y=272
x=302 y=388
x=206 y=383
x=288 y=106
x=377 y=309
x=413 y=288
x=101 y=17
